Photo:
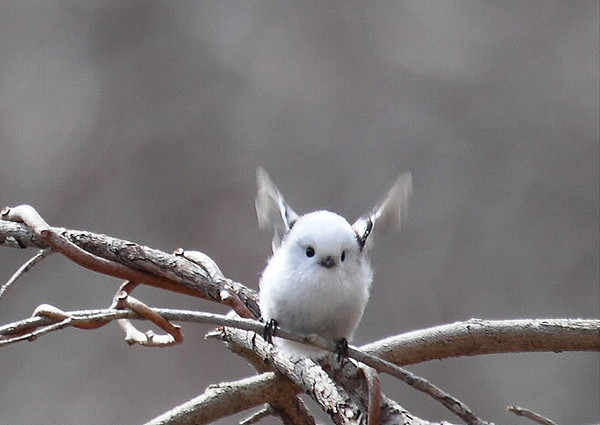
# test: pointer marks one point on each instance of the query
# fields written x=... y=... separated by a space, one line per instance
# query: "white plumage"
x=318 y=279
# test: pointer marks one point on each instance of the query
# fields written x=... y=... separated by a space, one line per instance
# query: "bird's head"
x=322 y=240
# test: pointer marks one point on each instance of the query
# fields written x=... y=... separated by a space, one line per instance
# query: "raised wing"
x=271 y=208
x=387 y=214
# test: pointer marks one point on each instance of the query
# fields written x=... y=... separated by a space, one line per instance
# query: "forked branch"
x=344 y=391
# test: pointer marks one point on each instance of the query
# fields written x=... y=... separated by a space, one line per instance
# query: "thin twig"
x=526 y=413
x=28 y=265
x=451 y=403
x=374 y=389
x=58 y=315
x=257 y=416
x=149 y=338
x=585 y=332
x=32 y=336
x=80 y=318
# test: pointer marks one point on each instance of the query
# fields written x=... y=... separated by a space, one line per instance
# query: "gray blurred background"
x=146 y=121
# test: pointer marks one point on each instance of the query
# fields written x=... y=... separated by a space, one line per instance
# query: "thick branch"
x=345 y=400
x=18 y=235
x=475 y=337
x=138 y=263
x=228 y=398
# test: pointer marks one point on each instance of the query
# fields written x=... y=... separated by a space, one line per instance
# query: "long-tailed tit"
x=318 y=279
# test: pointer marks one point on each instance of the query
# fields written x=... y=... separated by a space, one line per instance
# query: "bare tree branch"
x=475 y=337
x=125 y=260
x=526 y=413
x=19 y=235
x=78 y=318
x=345 y=392
x=28 y=265
x=227 y=398
x=559 y=334
x=258 y=416
x=341 y=391
x=149 y=338
x=306 y=374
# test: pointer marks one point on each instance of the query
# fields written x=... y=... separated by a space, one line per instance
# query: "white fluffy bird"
x=318 y=279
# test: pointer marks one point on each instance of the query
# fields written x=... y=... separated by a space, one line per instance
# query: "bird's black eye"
x=343 y=256
x=310 y=251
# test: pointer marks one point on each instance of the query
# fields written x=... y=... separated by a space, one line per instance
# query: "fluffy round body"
x=316 y=282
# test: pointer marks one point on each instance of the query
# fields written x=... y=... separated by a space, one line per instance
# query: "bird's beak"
x=328 y=262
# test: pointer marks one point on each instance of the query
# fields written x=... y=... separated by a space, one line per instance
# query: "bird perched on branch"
x=318 y=279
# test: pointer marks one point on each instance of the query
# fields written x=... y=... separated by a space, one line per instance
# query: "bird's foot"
x=341 y=349
x=269 y=330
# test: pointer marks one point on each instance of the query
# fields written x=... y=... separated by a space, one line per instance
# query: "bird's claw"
x=341 y=349
x=269 y=330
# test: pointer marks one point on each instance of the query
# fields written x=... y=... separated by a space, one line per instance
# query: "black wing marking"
x=387 y=214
